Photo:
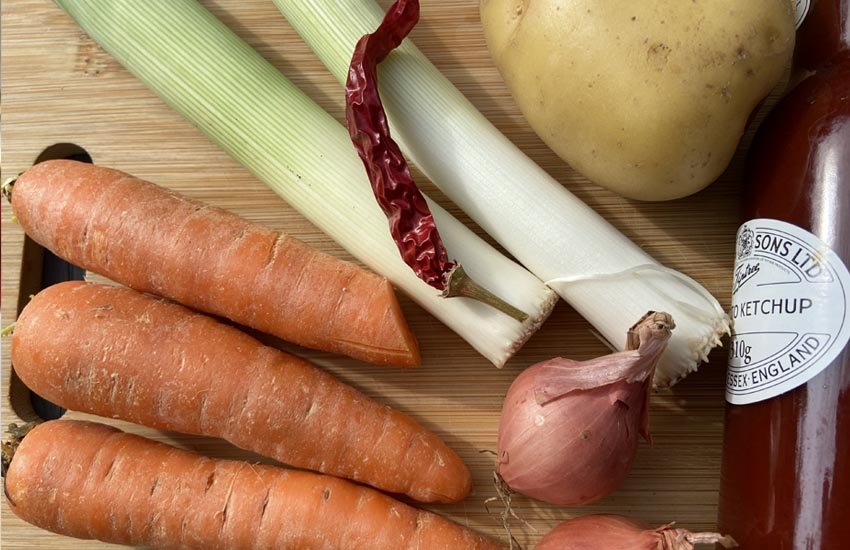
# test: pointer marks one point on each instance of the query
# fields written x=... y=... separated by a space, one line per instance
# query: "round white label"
x=790 y=310
x=801 y=8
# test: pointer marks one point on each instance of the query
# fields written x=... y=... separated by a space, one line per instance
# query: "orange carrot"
x=92 y=481
x=117 y=353
x=154 y=240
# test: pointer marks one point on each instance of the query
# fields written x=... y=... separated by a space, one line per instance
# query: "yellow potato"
x=648 y=98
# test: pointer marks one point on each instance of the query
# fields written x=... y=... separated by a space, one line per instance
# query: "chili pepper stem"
x=459 y=284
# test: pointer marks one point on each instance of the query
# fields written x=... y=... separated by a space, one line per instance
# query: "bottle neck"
x=823 y=33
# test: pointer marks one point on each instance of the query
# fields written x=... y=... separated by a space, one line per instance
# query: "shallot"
x=608 y=532
x=568 y=431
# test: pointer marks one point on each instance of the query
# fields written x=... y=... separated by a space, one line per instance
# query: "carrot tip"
x=17 y=434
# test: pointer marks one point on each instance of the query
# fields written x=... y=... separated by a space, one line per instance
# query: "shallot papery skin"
x=609 y=532
x=568 y=431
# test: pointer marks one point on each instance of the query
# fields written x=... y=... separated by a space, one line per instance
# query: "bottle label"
x=801 y=10
x=789 y=310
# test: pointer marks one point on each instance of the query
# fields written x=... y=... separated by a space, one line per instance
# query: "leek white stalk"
x=601 y=273
x=242 y=103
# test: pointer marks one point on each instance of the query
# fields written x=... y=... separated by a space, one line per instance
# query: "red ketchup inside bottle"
x=786 y=457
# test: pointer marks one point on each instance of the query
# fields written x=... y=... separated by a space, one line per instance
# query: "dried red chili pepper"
x=411 y=222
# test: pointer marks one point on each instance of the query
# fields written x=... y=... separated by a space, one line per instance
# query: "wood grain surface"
x=59 y=86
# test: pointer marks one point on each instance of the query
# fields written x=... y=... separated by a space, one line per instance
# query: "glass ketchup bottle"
x=785 y=481
x=823 y=34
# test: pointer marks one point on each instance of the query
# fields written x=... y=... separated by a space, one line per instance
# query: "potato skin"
x=648 y=98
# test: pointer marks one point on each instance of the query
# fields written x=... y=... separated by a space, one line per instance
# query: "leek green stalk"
x=246 y=106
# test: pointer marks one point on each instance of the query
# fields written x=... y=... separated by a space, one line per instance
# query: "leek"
x=243 y=104
x=600 y=272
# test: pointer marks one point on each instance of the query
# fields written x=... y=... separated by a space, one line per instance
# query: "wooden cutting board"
x=59 y=86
